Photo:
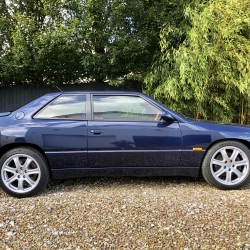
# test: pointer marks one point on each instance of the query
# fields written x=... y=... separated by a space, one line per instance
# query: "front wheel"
x=226 y=165
x=24 y=172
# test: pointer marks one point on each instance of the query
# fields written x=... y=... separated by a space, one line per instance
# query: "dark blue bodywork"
x=89 y=147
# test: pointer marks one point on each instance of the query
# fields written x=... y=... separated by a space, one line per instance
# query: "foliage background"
x=192 y=55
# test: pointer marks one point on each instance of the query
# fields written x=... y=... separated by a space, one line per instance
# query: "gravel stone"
x=127 y=213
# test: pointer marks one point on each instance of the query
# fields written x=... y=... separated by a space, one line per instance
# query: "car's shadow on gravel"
x=99 y=184
x=94 y=183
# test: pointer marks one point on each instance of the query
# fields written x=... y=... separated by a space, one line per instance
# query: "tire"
x=226 y=165
x=24 y=172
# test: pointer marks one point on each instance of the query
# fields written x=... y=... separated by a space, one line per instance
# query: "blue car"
x=76 y=134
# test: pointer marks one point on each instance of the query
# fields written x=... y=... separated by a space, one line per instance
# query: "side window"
x=71 y=107
x=124 y=108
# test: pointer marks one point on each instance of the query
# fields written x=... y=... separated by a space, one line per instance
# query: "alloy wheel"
x=20 y=173
x=229 y=165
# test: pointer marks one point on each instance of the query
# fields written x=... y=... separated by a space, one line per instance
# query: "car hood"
x=221 y=123
x=228 y=129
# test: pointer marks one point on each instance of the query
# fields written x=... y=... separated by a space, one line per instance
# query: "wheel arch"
x=4 y=149
x=246 y=143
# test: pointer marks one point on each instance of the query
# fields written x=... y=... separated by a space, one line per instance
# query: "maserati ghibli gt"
x=110 y=133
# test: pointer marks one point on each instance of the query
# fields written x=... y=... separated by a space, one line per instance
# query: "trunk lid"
x=5 y=114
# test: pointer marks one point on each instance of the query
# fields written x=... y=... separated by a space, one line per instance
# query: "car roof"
x=101 y=92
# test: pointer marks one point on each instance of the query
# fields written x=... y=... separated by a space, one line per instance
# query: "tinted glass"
x=65 y=107
x=124 y=108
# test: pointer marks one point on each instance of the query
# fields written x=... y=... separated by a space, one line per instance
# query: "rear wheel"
x=24 y=172
x=226 y=165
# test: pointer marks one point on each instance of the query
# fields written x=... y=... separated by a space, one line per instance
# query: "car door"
x=60 y=129
x=126 y=131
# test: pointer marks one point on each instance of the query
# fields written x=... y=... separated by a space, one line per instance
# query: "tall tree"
x=71 y=41
x=39 y=51
x=207 y=74
x=120 y=38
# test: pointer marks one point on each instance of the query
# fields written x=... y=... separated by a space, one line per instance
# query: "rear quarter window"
x=71 y=107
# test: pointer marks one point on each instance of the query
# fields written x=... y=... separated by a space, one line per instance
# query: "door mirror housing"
x=167 y=117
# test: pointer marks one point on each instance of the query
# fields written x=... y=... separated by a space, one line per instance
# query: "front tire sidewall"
x=42 y=164
x=206 y=171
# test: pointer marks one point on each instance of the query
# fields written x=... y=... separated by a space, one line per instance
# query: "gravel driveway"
x=127 y=213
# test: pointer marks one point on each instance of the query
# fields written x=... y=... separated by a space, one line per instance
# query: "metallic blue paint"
x=135 y=151
x=97 y=147
x=5 y=114
x=133 y=143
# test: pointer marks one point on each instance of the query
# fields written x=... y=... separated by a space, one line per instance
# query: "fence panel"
x=13 y=97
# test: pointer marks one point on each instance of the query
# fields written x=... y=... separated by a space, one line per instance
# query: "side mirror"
x=167 y=117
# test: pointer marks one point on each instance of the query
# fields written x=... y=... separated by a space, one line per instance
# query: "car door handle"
x=96 y=131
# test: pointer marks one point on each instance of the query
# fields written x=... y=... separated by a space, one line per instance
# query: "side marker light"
x=197 y=149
